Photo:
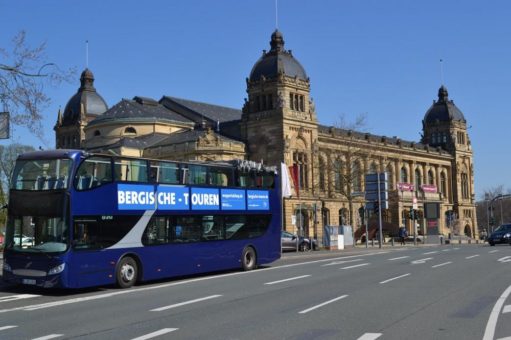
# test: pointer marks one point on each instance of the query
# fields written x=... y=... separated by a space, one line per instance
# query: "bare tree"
x=23 y=77
x=8 y=155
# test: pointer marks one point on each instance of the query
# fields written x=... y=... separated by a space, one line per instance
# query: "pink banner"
x=405 y=187
x=428 y=188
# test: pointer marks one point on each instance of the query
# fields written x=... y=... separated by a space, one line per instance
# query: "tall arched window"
x=431 y=177
x=300 y=159
x=356 y=175
x=388 y=170
x=443 y=183
x=417 y=179
x=404 y=175
x=322 y=169
x=464 y=186
x=338 y=176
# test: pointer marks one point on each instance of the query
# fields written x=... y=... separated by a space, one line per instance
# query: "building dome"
x=92 y=102
x=443 y=110
x=277 y=61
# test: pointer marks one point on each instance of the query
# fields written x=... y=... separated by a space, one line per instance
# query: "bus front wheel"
x=127 y=272
x=248 y=259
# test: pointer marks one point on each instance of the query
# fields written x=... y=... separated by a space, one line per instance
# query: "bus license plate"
x=29 y=282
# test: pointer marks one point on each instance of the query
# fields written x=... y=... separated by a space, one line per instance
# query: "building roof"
x=277 y=61
x=140 y=109
x=443 y=110
x=198 y=111
x=92 y=102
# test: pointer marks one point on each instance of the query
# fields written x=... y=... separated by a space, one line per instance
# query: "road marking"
x=421 y=261
x=322 y=304
x=441 y=264
x=446 y=250
x=398 y=258
x=17 y=297
x=430 y=252
x=394 y=278
x=492 y=251
x=489 y=332
x=50 y=336
x=285 y=280
x=506 y=309
x=185 y=303
x=356 y=265
x=7 y=327
x=471 y=257
x=173 y=284
x=505 y=259
x=340 y=262
x=456 y=248
x=155 y=334
x=370 y=336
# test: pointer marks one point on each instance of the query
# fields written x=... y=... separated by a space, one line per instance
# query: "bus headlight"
x=57 y=269
x=7 y=267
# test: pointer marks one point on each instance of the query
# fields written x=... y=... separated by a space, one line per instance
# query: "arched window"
x=130 y=131
x=322 y=169
x=300 y=159
x=404 y=175
x=388 y=170
x=356 y=177
x=373 y=168
x=338 y=176
x=97 y=133
x=343 y=216
x=431 y=177
x=418 y=181
x=443 y=183
x=464 y=186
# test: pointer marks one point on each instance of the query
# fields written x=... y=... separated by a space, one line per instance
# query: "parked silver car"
x=291 y=241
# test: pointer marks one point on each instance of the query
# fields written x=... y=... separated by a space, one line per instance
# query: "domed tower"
x=279 y=121
x=83 y=107
x=444 y=126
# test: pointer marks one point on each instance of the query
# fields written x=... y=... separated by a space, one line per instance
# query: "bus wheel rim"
x=127 y=272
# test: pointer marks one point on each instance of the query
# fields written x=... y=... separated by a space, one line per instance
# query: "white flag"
x=285 y=181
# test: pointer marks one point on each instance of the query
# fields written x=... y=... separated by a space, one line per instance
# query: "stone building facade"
x=278 y=123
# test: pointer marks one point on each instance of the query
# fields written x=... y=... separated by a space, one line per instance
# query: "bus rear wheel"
x=249 y=259
x=127 y=272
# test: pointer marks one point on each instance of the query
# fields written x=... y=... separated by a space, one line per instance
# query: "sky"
x=375 y=58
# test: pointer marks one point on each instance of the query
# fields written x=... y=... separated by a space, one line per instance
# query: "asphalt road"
x=440 y=292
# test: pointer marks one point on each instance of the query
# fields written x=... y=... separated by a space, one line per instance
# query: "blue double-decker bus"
x=77 y=219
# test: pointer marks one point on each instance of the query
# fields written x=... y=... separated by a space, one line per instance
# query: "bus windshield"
x=41 y=174
x=37 y=234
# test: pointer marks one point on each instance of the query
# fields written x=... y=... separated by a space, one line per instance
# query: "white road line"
x=446 y=250
x=322 y=304
x=17 y=297
x=421 y=261
x=430 y=252
x=155 y=334
x=441 y=264
x=185 y=303
x=398 y=258
x=456 y=248
x=50 y=336
x=285 y=280
x=394 y=278
x=340 y=262
x=471 y=257
x=506 y=309
x=505 y=259
x=492 y=251
x=370 y=336
x=173 y=284
x=489 y=332
x=356 y=265
x=7 y=327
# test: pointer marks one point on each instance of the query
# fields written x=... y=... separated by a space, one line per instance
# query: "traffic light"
x=361 y=214
x=376 y=207
x=412 y=214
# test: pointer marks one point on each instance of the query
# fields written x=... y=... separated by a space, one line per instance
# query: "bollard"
x=392 y=241
x=441 y=240
x=372 y=242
